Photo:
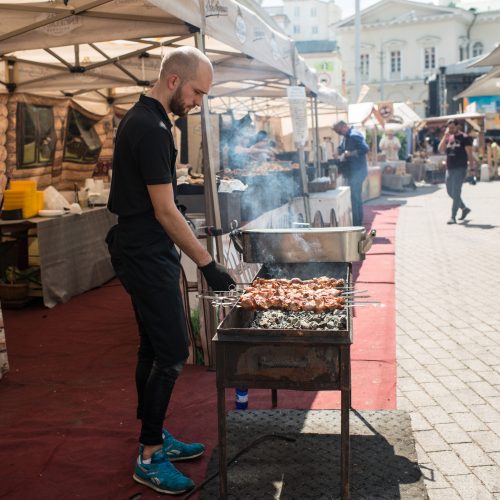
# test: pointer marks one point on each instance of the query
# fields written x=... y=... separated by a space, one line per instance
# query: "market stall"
x=428 y=134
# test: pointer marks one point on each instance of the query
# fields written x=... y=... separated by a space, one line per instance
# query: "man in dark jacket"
x=144 y=255
x=458 y=149
x=353 y=165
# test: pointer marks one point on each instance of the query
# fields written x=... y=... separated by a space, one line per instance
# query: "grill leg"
x=274 y=398
x=345 y=385
x=221 y=410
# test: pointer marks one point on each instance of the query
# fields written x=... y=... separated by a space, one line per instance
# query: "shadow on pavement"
x=466 y=223
x=383 y=457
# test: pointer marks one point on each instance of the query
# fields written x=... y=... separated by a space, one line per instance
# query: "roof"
x=462 y=67
x=408 y=13
x=313 y=46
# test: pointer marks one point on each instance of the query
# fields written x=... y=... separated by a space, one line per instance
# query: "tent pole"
x=316 y=133
x=212 y=211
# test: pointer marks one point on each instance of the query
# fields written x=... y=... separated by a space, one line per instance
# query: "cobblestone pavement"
x=448 y=337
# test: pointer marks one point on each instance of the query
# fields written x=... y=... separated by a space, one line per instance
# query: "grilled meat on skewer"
x=316 y=295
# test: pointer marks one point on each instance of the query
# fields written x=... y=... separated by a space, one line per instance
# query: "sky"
x=348 y=6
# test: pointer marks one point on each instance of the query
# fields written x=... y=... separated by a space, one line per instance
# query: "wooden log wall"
x=63 y=175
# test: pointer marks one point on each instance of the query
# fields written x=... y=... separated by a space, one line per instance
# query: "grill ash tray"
x=238 y=323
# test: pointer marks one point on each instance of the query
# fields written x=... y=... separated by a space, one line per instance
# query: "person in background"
x=492 y=156
x=390 y=145
x=458 y=149
x=353 y=166
x=145 y=259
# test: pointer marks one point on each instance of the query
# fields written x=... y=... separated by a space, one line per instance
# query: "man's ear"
x=173 y=81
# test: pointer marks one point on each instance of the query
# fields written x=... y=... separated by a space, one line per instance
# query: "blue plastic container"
x=241 y=399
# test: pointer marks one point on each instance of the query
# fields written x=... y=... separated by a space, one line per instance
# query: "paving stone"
x=405 y=404
x=420 y=398
x=418 y=422
x=451 y=363
x=452 y=382
x=495 y=427
x=433 y=479
x=452 y=404
x=443 y=494
x=453 y=433
x=469 y=397
x=485 y=413
x=487 y=440
x=470 y=487
x=431 y=441
x=435 y=389
x=476 y=364
x=438 y=370
x=422 y=457
x=435 y=414
x=469 y=422
x=484 y=389
x=496 y=457
x=495 y=402
x=467 y=375
x=471 y=454
x=490 y=476
x=448 y=463
x=422 y=375
x=408 y=384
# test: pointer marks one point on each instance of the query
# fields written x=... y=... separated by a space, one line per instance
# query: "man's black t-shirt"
x=144 y=154
x=456 y=155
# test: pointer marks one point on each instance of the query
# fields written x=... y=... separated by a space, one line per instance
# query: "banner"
x=298 y=111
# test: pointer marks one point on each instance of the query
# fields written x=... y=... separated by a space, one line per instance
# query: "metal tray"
x=326 y=244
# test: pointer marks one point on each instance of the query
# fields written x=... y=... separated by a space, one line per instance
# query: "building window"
x=461 y=53
x=314 y=30
x=313 y=12
x=477 y=49
x=36 y=137
x=296 y=28
x=395 y=62
x=82 y=144
x=364 y=66
x=296 y=11
x=430 y=58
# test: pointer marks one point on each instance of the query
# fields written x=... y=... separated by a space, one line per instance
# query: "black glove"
x=217 y=277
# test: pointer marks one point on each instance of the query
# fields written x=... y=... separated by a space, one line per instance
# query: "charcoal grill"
x=297 y=359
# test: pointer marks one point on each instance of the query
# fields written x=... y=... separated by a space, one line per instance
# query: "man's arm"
x=442 y=144
x=358 y=145
x=470 y=157
x=174 y=224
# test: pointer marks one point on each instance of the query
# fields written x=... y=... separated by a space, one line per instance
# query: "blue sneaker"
x=177 y=450
x=161 y=475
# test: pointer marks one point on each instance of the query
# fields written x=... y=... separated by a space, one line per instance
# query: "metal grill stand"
x=280 y=359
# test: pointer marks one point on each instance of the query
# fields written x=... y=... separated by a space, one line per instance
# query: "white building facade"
x=309 y=23
x=304 y=19
x=404 y=42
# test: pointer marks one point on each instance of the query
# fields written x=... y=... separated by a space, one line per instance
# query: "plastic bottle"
x=241 y=399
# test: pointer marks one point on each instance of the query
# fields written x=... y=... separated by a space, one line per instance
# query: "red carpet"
x=67 y=405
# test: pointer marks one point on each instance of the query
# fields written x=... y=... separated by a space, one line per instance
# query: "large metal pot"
x=325 y=244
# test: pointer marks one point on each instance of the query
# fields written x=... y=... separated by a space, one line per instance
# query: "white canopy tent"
x=490 y=59
x=488 y=84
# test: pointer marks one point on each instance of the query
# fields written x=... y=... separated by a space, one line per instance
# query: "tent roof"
x=487 y=85
x=491 y=59
x=366 y=113
x=440 y=120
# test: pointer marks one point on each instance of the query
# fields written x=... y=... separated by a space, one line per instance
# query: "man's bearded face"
x=177 y=104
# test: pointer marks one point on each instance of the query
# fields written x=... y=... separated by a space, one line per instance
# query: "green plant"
x=9 y=272
x=195 y=323
x=29 y=275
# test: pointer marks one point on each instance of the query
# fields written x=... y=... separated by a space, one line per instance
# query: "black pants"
x=147 y=263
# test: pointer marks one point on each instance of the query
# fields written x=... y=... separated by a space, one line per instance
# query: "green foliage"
x=196 y=325
x=9 y=273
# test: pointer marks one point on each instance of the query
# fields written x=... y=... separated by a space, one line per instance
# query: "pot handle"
x=366 y=244
x=237 y=239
